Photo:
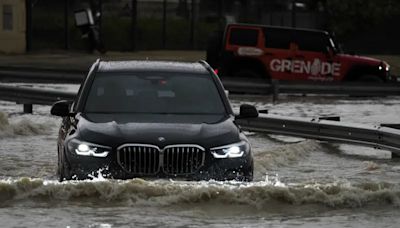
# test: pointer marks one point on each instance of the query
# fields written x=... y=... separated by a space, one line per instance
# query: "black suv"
x=152 y=119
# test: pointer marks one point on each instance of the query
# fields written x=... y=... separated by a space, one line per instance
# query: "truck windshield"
x=154 y=93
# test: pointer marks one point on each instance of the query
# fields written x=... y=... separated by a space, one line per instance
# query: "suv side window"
x=243 y=37
x=278 y=38
x=311 y=41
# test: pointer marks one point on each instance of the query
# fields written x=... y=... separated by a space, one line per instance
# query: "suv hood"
x=360 y=59
x=115 y=133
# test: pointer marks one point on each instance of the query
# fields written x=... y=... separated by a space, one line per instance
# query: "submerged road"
x=298 y=182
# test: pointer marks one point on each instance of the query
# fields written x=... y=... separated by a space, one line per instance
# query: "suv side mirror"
x=247 y=111
x=61 y=108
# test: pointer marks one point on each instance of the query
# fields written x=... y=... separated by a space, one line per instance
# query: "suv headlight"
x=88 y=149
x=235 y=150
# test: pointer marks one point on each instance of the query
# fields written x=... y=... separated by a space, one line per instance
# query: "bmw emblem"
x=161 y=139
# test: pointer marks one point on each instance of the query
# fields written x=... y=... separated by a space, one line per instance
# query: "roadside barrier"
x=327 y=88
x=26 y=74
x=382 y=137
x=234 y=85
x=30 y=96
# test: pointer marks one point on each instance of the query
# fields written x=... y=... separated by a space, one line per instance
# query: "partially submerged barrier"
x=379 y=137
x=30 y=96
x=383 y=137
x=275 y=88
x=26 y=74
x=234 y=85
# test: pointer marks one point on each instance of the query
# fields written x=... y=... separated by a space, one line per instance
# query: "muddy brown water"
x=298 y=182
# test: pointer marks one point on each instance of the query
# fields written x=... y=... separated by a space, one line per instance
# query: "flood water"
x=298 y=182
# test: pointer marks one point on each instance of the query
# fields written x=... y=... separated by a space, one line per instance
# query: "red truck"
x=283 y=53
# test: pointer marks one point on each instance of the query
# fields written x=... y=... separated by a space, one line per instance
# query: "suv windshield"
x=154 y=93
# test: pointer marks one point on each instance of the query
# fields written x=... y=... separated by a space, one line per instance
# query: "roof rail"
x=207 y=66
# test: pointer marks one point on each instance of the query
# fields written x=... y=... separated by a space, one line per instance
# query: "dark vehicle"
x=152 y=119
x=282 y=53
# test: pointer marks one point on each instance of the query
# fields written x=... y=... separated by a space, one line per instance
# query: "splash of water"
x=282 y=156
x=259 y=195
x=23 y=127
x=273 y=180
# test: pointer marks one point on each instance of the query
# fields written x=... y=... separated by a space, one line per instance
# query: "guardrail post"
x=275 y=90
x=28 y=108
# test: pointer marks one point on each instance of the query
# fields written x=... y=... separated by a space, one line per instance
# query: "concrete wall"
x=12 y=26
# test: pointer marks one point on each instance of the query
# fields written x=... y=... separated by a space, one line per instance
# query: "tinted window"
x=243 y=37
x=312 y=41
x=157 y=93
x=278 y=38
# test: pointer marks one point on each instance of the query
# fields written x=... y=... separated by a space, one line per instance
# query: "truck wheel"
x=370 y=78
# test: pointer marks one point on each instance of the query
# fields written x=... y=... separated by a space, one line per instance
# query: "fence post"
x=28 y=6
x=28 y=108
x=294 y=13
x=134 y=24
x=221 y=22
x=164 y=25
x=192 y=24
x=66 y=24
x=275 y=90
x=100 y=10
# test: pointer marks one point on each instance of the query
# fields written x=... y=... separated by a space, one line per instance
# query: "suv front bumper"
x=86 y=167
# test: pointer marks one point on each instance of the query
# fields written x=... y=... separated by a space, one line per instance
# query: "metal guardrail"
x=335 y=88
x=26 y=74
x=234 y=85
x=373 y=136
x=325 y=130
x=30 y=96
x=358 y=89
